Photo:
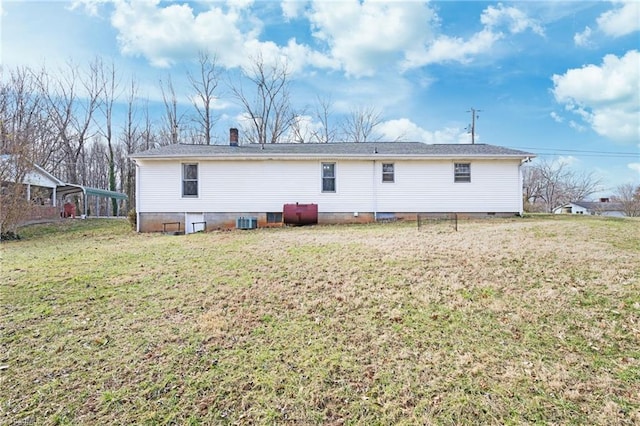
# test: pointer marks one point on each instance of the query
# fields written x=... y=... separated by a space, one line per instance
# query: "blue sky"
x=560 y=79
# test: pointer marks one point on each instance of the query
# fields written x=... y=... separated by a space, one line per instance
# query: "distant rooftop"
x=333 y=150
x=600 y=206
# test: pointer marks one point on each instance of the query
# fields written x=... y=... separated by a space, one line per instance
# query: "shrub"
x=9 y=235
x=133 y=218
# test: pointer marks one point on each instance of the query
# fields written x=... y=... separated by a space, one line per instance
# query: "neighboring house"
x=347 y=182
x=604 y=207
x=47 y=193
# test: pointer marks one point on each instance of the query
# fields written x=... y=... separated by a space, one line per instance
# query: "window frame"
x=185 y=180
x=392 y=173
x=274 y=217
x=328 y=178
x=460 y=176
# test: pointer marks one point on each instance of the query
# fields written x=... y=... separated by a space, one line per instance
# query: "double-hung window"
x=328 y=177
x=462 y=172
x=388 y=172
x=189 y=180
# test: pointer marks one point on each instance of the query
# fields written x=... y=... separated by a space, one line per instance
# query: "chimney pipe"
x=233 y=136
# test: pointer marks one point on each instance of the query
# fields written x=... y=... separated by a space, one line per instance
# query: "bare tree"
x=14 y=204
x=131 y=137
x=71 y=109
x=97 y=168
x=110 y=87
x=360 y=124
x=150 y=139
x=98 y=172
x=205 y=85
x=14 y=162
x=171 y=122
x=552 y=184
x=302 y=128
x=24 y=136
x=532 y=189
x=628 y=195
x=323 y=111
x=24 y=116
x=268 y=104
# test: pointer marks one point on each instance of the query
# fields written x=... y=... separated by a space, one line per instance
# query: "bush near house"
x=507 y=321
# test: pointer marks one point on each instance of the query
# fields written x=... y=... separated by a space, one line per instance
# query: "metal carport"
x=70 y=189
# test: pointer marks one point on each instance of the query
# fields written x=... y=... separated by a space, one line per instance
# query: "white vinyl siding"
x=427 y=186
x=266 y=185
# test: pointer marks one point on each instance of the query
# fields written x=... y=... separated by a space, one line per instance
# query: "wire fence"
x=438 y=220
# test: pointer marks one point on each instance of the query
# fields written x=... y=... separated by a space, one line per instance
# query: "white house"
x=195 y=187
x=604 y=207
x=46 y=192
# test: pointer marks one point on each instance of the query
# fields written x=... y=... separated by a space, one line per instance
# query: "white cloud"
x=516 y=20
x=556 y=117
x=606 y=97
x=446 y=49
x=90 y=7
x=576 y=126
x=389 y=34
x=167 y=34
x=292 y=9
x=386 y=31
x=623 y=20
x=568 y=160
x=240 y=4
x=634 y=167
x=404 y=129
x=583 y=39
x=494 y=19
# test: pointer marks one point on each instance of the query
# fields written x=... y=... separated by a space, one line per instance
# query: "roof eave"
x=370 y=157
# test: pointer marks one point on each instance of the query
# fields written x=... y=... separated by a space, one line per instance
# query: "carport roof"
x=69 y=188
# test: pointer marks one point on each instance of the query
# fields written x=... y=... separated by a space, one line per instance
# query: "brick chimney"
x=233 y=136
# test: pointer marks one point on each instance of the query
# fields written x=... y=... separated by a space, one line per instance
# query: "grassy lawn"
x=506 y=321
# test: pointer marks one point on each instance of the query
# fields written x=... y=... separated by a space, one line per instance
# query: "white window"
x=462 y=172
x=388 y=173
x=328 y=177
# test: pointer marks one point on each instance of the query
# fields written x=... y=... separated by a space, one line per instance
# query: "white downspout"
x=375 y=193
x=137 y=197
x=520 y=184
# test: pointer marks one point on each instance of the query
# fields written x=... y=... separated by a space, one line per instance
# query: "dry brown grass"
x=504 y=322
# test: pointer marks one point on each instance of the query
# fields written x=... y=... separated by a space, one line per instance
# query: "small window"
x=189 y=180
x=328 y=177
x=274 y=217
x=462 y=172
x=388 y=174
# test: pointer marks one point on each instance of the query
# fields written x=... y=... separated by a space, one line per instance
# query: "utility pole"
x=472 y=130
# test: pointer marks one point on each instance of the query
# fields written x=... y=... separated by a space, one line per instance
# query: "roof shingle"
x=334 y=150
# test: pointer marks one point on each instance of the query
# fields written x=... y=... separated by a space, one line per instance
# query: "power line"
x=541 y=154
x=586 y=153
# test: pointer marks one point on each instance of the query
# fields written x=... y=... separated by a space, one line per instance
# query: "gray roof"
x=600 y=206
x=366 y=150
